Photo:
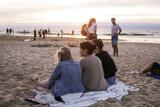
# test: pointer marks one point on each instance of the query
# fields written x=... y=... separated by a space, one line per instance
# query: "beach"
x=22 y=59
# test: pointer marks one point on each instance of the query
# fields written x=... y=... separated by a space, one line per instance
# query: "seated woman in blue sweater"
x=66 y=78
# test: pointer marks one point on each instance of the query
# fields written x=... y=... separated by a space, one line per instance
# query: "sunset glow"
x=78 y=11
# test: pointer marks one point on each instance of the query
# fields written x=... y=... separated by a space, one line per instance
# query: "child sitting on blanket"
x=65 y=79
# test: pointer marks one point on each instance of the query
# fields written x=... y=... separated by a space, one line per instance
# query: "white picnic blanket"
x=117 y=91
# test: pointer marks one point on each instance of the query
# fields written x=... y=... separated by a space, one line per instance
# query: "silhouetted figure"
x=34 y=34
x=10 y=30
x=46 y=32
x=58 y=34
x=49 y=32
x=7 y=30
x=72 y=32
x=61 y=32
x=40 y=33
x=43 y=33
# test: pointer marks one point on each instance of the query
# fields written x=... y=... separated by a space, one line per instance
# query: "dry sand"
x=20 y=61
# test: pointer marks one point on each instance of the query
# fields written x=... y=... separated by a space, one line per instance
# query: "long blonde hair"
x=65 y=54
x=91 y=21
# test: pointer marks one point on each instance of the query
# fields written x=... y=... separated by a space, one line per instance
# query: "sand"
x=21 y=60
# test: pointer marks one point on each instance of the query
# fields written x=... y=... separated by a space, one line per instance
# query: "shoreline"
x=126 y=39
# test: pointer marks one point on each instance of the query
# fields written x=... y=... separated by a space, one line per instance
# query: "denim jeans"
x=111 y=80
x=114 y=40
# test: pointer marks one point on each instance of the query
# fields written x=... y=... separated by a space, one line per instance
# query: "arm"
x=95 y=29
x=120 y=30
x=55 y=75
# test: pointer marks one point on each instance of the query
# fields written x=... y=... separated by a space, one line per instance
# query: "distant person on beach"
x=10 y=30
x=61 y=32
x=48 y=32
x=34 y=34
x=72 y=32
x=92 y=70
x=65 y=79
x=115 y=31
x=92 y=29
x=58 y=34
x=108 y=64
x=7 y=30
x=40 y=33
x=44 y=34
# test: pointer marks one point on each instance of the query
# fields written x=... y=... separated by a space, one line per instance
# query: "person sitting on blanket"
x=92 y=71
x=153 y=70
x=66 y=78
x=108 y=64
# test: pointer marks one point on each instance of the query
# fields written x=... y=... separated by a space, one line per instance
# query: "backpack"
x=83 y=30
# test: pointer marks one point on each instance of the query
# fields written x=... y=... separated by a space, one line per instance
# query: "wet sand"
x=21 y=60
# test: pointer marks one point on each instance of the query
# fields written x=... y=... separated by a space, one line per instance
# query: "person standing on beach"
x=61 y=32
x=115 y=31
x=7 y=30
x=43 y=33
x=40 y=33
x=58 y=34
x=72 y=32
x=10 y=31
x=92 y=29
x=34 y=34
x=48 y=32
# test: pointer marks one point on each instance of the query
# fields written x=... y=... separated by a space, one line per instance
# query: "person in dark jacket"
x=108 y=64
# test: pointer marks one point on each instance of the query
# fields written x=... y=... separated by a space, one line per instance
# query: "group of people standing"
x=95 y=71
x=41 y=33
x=9 y=31
x=90 y=31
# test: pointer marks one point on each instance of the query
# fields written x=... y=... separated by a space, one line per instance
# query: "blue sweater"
x=66 y=78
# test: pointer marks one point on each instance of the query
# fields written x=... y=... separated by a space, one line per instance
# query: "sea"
x=131 y=32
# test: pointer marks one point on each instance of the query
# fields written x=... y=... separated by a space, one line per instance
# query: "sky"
x=79 y=11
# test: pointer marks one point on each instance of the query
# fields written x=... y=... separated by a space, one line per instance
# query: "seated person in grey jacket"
x=66 y=78
x=109 y=67
x=92 y=70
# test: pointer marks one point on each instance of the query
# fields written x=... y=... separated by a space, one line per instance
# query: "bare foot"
x=35 y=83
x=39 y=86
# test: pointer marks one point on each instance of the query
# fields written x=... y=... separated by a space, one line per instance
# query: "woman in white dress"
x=92 y=29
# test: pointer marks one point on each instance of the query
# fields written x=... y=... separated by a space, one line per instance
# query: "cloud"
x=121 y=3
x=24 y=10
